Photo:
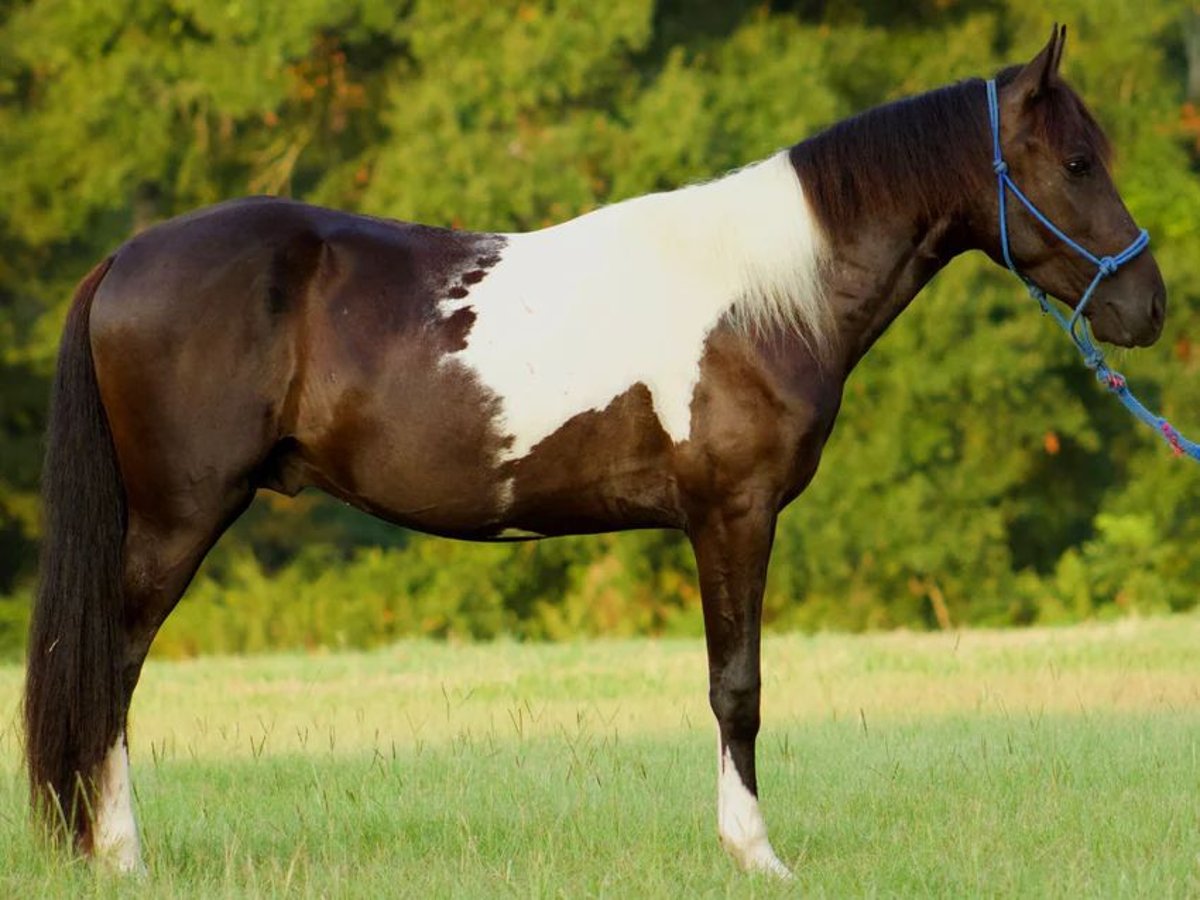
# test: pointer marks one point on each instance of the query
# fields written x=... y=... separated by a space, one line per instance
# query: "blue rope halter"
x=1075 y=326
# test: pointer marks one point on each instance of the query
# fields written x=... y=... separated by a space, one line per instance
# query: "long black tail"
x=74 y=696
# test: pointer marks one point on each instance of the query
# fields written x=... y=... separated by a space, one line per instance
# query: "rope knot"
x=1172 y=437
x=1000 y=167
x=1114 y=380
x=1108 y=266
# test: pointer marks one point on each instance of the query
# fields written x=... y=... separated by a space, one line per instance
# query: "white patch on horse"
x=740 y=824
x=519 y=534
x=114 y=836
x=575 y=315
x=504 y=494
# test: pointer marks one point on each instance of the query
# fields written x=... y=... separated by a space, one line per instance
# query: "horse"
x=672 y=361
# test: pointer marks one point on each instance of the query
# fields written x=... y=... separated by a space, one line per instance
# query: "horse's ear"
x=1060 y=45
x=1033 y=81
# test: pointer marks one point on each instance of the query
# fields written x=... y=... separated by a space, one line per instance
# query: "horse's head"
x=1058 y=157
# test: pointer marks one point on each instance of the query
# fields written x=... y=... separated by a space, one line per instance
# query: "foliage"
x=976 y=475
x=629 y=584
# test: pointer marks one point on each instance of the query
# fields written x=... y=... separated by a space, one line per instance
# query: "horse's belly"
x=420 y=445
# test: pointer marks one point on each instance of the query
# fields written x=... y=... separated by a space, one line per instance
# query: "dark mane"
x=924 y=152
x=915 y=154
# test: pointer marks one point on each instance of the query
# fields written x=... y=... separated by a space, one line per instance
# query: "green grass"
x=1038 y=763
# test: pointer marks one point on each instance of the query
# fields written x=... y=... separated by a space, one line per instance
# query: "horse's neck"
x=897 y=193
x=872 y=279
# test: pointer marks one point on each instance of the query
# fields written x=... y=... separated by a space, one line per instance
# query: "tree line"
x=976 y=475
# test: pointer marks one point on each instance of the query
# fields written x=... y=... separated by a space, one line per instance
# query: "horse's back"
x=260 y=247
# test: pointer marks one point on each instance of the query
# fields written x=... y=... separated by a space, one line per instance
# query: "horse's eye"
x=1078 y=165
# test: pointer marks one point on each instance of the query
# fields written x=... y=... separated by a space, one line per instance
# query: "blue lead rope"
x=1075 y=326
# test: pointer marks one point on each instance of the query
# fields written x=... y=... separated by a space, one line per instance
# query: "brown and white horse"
x=673 y=361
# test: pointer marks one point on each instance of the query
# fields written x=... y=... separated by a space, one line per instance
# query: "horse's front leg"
x=732 y=545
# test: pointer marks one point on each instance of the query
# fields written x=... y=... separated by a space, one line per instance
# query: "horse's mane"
x=922 y=153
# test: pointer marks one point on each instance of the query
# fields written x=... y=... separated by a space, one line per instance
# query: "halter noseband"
x=1075 y=326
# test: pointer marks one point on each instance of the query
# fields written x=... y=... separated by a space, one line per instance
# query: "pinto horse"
x=672 y=361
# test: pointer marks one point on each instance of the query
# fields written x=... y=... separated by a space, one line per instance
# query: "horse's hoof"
x=758 y=858
x=120 y=859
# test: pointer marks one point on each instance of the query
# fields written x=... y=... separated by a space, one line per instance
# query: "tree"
x=976 y=474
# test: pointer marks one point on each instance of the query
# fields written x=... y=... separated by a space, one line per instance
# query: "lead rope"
x=1075 y=326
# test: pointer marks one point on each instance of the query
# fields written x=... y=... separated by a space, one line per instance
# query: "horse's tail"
x=74 y=696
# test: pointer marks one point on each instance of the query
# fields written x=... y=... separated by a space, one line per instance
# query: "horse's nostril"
x=1158 y=309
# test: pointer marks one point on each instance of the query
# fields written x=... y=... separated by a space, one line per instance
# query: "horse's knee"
x=736 y=707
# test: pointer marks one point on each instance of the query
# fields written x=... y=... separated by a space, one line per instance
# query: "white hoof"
x=757 y=858
x=121 y=859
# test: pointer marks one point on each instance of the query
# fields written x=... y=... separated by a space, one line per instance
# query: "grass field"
x=1038 y=763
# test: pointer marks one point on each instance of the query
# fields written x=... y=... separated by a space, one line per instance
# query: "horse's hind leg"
x=160 y=557
x=732 y=548
x=192 y=384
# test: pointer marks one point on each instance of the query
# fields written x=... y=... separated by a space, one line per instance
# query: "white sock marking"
x=740 y=824
x=115 y=838
x=575 y=315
